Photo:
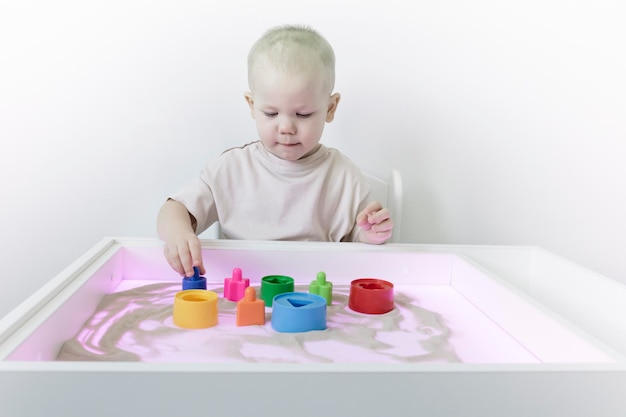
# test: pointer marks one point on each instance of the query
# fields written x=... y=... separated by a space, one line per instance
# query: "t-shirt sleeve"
x=198 y=199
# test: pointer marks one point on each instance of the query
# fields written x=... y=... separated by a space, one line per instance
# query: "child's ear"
x=332 y=107
x=250 y=100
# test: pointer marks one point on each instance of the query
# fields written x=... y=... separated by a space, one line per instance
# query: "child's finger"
x=378 y=216
x=185 y=259
x=195 y=251
x=383 y=226
x=171 y=255
x=381 y=237
x=201 y=268
x=363 y=222
x=363 y=218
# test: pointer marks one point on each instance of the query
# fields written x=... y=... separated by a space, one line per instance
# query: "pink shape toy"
x=235 y=287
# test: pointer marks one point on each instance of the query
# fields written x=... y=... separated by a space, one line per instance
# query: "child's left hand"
x=376 y=224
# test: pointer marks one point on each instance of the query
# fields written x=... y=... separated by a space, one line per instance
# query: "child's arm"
x=176 y=227
x=375 y=223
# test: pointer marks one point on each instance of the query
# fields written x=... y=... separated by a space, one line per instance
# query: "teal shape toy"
x=322 y=288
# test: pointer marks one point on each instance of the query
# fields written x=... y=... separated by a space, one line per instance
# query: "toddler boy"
x=286 y=186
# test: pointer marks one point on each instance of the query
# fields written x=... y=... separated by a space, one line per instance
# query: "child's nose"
x=286 y=126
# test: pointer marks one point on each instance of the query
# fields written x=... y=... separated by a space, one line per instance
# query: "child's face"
x=290 y=109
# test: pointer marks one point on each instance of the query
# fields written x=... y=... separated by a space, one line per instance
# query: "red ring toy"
x=371 y=296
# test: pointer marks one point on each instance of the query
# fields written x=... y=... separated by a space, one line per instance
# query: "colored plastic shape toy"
x=195 y=309
x=295 y=312
x=235 y=286
x=250 y=310
x=273 y=285
x=195 y=282
x=371 y=296
x=322 y=287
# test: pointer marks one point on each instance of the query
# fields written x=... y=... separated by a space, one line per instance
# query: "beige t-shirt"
x=258 y=196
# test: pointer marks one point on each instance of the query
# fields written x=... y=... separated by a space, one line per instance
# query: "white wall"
x=507 y=119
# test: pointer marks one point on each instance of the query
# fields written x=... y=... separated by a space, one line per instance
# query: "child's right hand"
x=183 y=252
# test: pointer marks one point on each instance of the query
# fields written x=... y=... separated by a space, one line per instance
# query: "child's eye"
x=269 y=114
x=304 y=115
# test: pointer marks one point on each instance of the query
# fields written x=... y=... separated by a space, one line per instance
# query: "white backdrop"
x=506 y=119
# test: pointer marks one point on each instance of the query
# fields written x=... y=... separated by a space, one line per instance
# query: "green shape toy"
x=322 y=287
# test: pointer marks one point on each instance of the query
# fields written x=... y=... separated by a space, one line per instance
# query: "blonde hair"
x=294 y=47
